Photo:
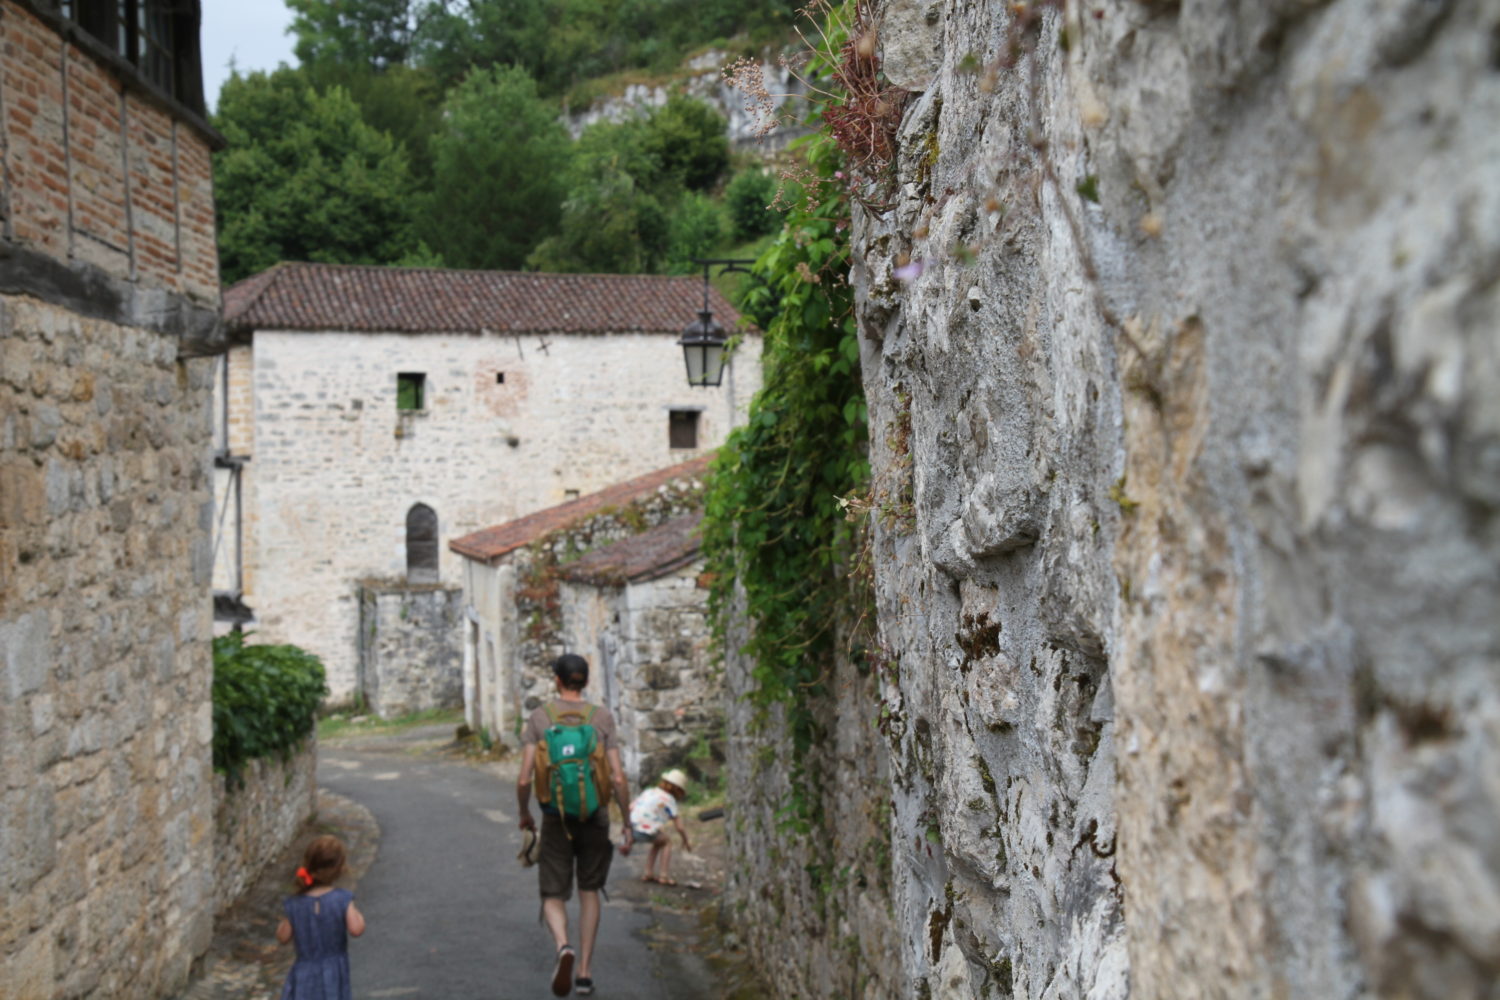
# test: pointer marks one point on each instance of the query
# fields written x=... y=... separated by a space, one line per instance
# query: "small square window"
x=411 y=391
x=499 y=378
x=682 y=428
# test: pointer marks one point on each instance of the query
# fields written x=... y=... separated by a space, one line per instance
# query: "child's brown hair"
x=322 y=862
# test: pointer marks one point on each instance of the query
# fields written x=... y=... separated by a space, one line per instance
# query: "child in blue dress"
x=320 y=919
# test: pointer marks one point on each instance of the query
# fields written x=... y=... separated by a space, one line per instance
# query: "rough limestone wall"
x=106 y=799
x=410 y=647
x=649 y=642
x=256 y=819
x=1196 y=400
x=815 y=908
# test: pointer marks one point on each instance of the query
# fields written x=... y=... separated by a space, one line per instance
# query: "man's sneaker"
x=562 y=973
x=583 y=986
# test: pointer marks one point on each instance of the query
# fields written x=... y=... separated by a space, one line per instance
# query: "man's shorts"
x=588 y=849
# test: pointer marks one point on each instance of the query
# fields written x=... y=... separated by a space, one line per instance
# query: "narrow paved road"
x=451 y=913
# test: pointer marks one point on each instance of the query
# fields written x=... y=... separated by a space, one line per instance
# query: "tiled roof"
x=296 y=296
x=491 y=543
x=645 y=556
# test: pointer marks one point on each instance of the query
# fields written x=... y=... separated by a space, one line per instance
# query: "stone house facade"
x=517 y=619
x=638 y=611
x=109 y=313
x=375 y=411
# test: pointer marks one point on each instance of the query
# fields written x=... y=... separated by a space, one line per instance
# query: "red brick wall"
x=97 y=173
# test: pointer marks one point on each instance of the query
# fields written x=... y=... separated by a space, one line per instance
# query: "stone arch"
x=421 y=544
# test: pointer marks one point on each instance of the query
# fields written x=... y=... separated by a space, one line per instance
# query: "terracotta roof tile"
x=295 y=296
x=645 y=556
x=491 y=543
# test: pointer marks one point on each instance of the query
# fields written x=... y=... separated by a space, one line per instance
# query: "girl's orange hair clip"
x=304 y=877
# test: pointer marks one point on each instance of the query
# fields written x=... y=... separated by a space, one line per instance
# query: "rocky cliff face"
x=702 y=78
x=1180 y=343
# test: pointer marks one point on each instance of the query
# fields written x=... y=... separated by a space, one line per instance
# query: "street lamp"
x=702 y=342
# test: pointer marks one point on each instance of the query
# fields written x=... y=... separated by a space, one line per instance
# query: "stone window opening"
x=421 y=544
x=411 y=392
x=499 y=378
x=682 y=428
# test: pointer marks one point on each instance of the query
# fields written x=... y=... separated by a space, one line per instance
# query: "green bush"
x=749 y=198
x=688 y=141
x=265 y=701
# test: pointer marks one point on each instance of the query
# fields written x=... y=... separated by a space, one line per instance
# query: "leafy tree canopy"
x=499 y=162
x=609 y=226
x=405 y=101
x=357 y=33
x=687 y=139
x=305 y=178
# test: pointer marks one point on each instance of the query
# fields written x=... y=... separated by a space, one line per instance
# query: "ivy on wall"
x=774 y=526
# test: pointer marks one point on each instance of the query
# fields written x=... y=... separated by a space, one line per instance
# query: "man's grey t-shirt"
x=539 y=721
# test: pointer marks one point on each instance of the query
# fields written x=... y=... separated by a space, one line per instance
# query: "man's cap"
x=676 y=777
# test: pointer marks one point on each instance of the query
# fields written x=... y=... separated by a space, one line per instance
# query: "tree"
x=405 y=101
x=487 y=33
x=613 y=221
x=695 y=229
x=499 y=161
x=609 y=226
x=687 y=139
x=370 y=34
x=305 y=178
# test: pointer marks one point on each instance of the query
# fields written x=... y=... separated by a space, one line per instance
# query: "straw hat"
x=531 y=848
x=676 y=777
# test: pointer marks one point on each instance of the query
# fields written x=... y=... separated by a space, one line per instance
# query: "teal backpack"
x=572 y=773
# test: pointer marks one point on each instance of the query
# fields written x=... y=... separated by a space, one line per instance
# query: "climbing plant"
x=265 y=701
x=774 y=529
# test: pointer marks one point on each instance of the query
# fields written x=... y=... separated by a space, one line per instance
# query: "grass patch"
x=343 y=724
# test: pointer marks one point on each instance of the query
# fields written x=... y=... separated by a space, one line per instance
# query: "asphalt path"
x=451 y=912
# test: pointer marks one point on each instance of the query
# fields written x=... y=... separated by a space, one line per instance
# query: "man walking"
x=569 y=749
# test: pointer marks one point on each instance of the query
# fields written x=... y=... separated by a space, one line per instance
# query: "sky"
x=251 y=32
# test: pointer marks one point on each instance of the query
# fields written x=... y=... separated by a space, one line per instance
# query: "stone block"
x=23 y=495
x=28 y=836
x=26 y=645
x=660 y=677
x=32 y=971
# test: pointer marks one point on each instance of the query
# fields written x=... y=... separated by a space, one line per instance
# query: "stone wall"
x=106 y=826
x=648 y=642
x=108 y=294
x=541 y=630
x=255 y=820
x=334 y=467
x=410 y=647
x=1191 y=381
x=815 y=905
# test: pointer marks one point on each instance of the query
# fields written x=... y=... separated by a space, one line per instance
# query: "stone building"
x=638 y=610
x=521 y=614
x=109 y=307
x=373 y=412
x=1194 y=654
